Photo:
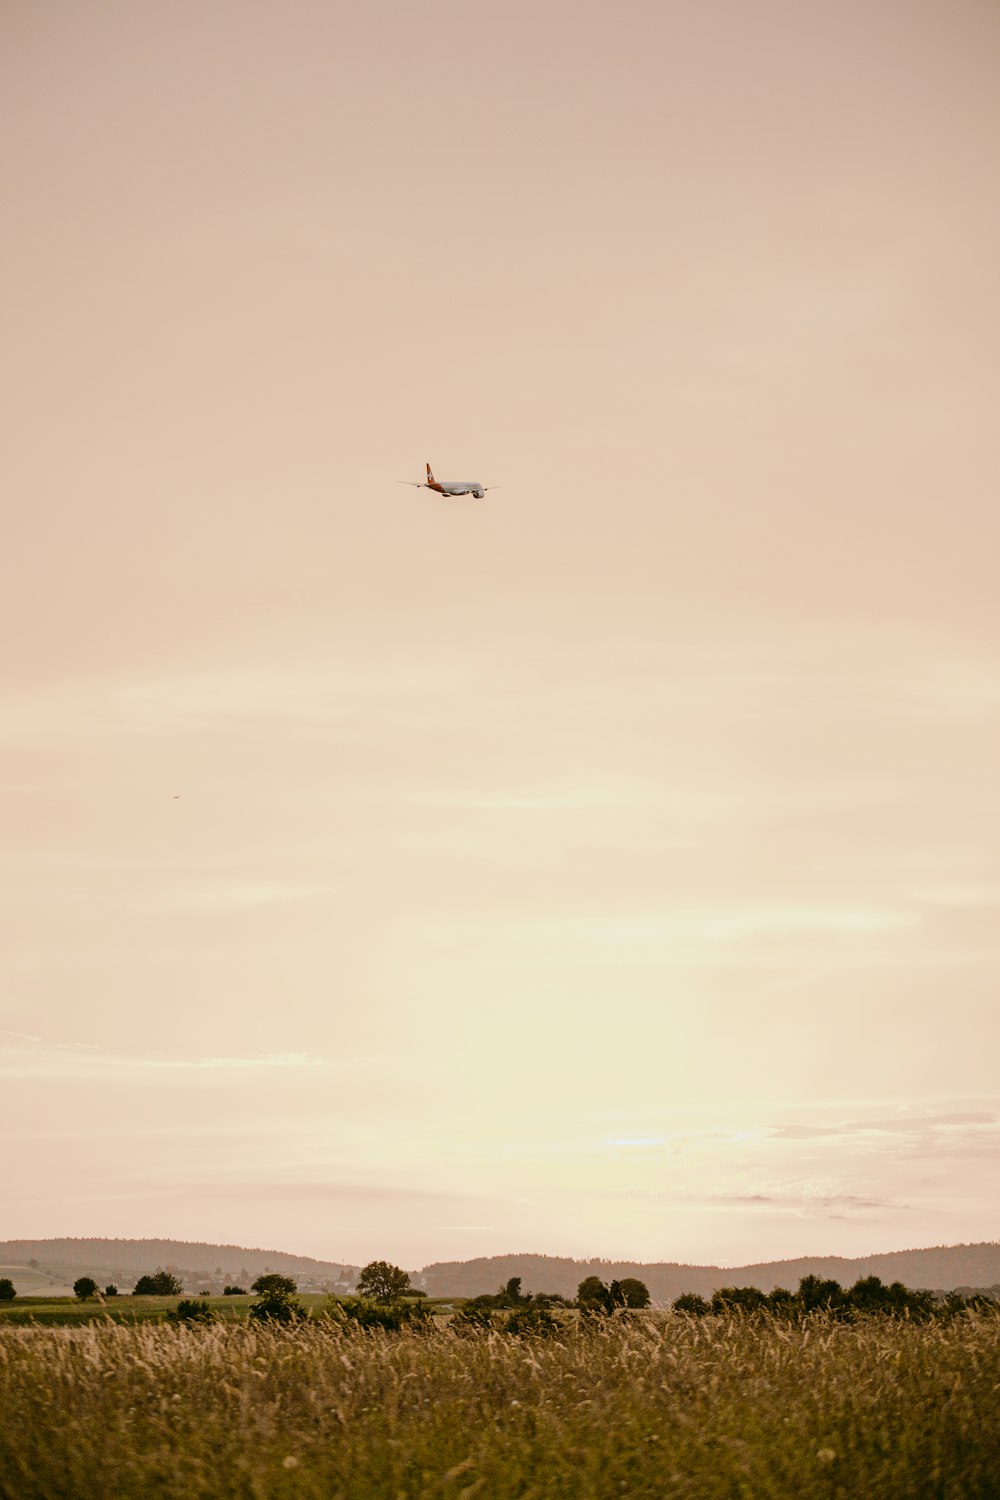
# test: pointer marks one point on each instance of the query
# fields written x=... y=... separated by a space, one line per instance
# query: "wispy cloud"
x=86 y=1061
x=225 y=894
x=893 y=1125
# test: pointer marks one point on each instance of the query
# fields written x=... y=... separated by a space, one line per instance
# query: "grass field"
x=661 y=1406
x=70 y=1312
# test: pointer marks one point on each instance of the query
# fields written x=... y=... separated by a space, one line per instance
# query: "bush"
x=7 y=1292
x=233 y=1291
x=814 y=1293
x=277 y=1310
x=531 y=1322
x=192 y=1310
x=744 y=1299
x=474 y=1316
x=634 y=1293
x=273 y=1285
x=692 y=1304
x=867 y=1296
x=594 y=1297
x=162 y=1284
x=111 y=1290
x=391 y=1316
x=276 y=1300
x=84 y=1287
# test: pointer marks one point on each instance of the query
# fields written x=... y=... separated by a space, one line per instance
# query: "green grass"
x=662 y=1406
x=56 y=1312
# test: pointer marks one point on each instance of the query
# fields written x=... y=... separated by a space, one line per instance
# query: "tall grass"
x=660 y=1406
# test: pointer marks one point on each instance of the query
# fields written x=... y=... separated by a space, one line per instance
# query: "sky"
x=609 y=867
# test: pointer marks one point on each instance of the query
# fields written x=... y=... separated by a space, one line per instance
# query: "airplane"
x=450 y=486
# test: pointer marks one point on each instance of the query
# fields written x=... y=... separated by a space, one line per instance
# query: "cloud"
x=226 y=895
x=901 y=1124
x=803 y=1202
x=88 y=1062
x=711 y=935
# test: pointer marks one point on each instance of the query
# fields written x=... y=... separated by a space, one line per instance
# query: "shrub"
x=85 y=1287
x=391 y=1316
x=111 y=1290
x=273 y=1285
x=191 y=1310
x=634 y=1293
x=232 y=1291
x=473 y=1316
x=692 y=1304
x=276 y=1301
x=532 y=1322
x=814 y=1293
x=7 y=1292
x=745 y=1299
x=162 y=1284
x=593 y=1296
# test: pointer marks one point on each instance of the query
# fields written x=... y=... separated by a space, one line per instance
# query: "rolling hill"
x=40 y=1266
x=942 y=1267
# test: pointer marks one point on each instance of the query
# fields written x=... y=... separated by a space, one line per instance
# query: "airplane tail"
x=430 y=476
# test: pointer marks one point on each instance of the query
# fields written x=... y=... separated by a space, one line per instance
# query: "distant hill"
x=943 y=1267
x=53 y=1265
x=32 y=1263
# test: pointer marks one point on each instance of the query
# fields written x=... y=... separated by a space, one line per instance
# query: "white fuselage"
x=458 y=487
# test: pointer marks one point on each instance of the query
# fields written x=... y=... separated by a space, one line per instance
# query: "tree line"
x=869 y=1294
x=384 y=1298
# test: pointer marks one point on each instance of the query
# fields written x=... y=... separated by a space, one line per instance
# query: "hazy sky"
x=611 y=866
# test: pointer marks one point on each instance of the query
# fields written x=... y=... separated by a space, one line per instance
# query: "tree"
x=382 y=1282
x=744 y=1299
x=7 y=1292
x=870 y=1295
x=276 y=1301
x=160 y=1285
x=111 y=1290
x=692 y=1304
x=593 y=1295
x=635 y=1293
x=233 y=1291
x=84 y=1287
x=273 y=1285
x=814 y=1293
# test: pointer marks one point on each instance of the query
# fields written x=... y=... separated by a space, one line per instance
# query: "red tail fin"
x=430 y=476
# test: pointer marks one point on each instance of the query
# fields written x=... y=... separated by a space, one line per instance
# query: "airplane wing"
x=413 y=483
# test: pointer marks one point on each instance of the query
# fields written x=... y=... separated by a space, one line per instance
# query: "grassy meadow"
x=71 y=1312
x=656 y=1405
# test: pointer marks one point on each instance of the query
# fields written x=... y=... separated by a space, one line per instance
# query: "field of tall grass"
x=658 y=1405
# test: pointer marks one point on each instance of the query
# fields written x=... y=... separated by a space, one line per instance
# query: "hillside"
x=942 y=1267
x=52 y=1265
